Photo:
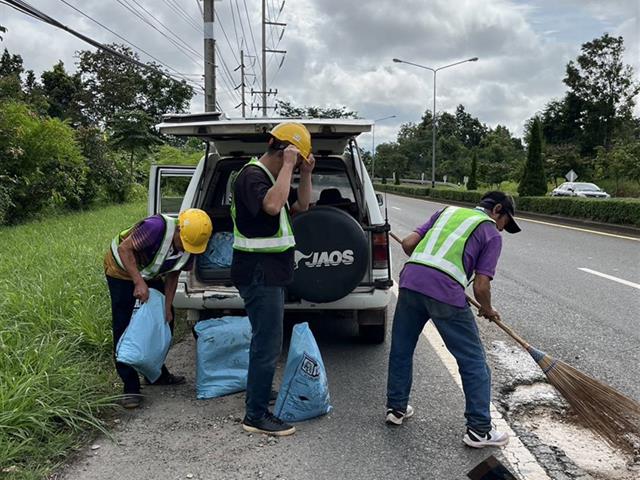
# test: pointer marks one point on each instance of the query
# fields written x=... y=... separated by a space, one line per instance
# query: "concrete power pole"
x=209 y=58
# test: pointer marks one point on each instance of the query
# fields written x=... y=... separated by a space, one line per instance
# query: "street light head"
x=474 y=59
x=397 y=60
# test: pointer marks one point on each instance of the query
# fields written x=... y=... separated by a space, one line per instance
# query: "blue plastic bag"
x=145 y=343
x=219 y=253
x=304 y=392
x=222 y=356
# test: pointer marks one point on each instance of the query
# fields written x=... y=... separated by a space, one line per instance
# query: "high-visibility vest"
x=152 y=270
x=443 y=245
x=282 y=240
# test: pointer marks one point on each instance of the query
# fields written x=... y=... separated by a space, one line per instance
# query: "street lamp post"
x=373 y=143
x=434 y=70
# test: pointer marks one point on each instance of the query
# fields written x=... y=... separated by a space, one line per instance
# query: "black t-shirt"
x=250 y=188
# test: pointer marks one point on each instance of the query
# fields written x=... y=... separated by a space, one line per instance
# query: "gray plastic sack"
x=222 y=356
x=304 y=392
x=145 y=343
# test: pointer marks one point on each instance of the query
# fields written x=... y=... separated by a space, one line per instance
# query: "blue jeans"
x=265 y=307
x=459 y=331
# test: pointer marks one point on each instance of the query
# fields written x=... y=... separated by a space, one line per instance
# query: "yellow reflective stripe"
x=455 y=236
x=439 y=227
x=442 y=264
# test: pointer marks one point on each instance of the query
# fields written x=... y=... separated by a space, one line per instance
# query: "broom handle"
x=502 y=325
x=506 y=328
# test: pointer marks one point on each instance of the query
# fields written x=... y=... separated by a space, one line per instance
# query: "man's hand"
x=306 y=167
x=490 y=314
x=141 y=291
x=290 y=157
x=168 y=314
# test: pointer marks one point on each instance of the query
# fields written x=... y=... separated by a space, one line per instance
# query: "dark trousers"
x=122 y=304
x=265 y=307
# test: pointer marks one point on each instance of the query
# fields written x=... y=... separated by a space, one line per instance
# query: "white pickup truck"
x=342 y=242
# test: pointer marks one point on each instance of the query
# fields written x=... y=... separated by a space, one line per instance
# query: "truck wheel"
x=372 y=325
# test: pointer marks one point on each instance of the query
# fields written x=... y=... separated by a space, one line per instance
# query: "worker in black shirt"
x=263 y=253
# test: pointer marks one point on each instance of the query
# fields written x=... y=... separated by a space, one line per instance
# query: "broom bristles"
x=609 y=413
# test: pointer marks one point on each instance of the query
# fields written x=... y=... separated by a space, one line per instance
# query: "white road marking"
x=580 y=229
x=396 y=208
x=517 y=455
x=611 y=277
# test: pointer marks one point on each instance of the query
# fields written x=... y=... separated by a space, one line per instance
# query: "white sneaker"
x=494 y=438
x=396 y=417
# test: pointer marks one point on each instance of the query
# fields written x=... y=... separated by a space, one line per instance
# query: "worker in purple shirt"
x=151 y=254
x=445 y=254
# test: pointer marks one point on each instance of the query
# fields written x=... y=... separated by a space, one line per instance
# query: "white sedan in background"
x=579 y=189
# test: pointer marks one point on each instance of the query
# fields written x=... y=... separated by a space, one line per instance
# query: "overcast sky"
x=339 y=51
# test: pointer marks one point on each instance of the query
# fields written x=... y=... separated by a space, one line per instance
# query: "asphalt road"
x=590 y=321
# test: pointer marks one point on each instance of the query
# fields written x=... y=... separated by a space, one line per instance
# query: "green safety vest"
x=282 y=240
x=153 y=269
x=443 y=245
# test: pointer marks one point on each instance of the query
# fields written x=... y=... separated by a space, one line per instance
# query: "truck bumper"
x=227 y=298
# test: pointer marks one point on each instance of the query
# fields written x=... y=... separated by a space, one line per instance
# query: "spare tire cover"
x=331 y=254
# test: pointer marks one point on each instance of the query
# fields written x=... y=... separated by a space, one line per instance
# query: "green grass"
x=56 y=373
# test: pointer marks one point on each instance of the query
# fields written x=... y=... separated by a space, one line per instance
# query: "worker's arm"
x=410 y=242
x=304 y=189
x=170 y=286
x=482 y=292
x=278 y=194
x=126 y=252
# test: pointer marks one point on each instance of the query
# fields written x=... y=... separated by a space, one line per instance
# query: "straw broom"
x=607 y=412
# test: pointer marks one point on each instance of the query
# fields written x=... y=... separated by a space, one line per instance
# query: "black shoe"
x=170 y=379
x=131 y=400
x=270 y=425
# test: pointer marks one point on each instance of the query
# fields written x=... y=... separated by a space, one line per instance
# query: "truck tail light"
x=380 y=250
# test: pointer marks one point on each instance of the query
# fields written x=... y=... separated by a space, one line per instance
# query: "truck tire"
x=331 y=255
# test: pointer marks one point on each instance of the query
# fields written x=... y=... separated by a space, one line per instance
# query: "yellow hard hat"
x=195 y=230
x=296 y=134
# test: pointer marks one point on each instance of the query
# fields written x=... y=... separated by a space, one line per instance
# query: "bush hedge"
x=615 y=211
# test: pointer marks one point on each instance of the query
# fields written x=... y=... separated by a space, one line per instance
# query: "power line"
x=31 y=11
x=246 y=10
x=186 y=18
x=227 y=38
x=185 y=14
x=132 y=9
x=167 y=28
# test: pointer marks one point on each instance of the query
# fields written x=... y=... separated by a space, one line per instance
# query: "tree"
x=500 y=156
x=472 y=184
x=112 y=86
x=131 y=132
x=10 y=70
x=285 y=108
x=64 y=93
x=533 y=181
x=42 y=159
x=605 y=87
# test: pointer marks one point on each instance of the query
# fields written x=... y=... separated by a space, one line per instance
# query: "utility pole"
x=209 y=58
x=242 y=85
x=265 y=93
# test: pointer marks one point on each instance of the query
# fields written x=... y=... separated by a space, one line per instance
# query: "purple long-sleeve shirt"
x=481 y=255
